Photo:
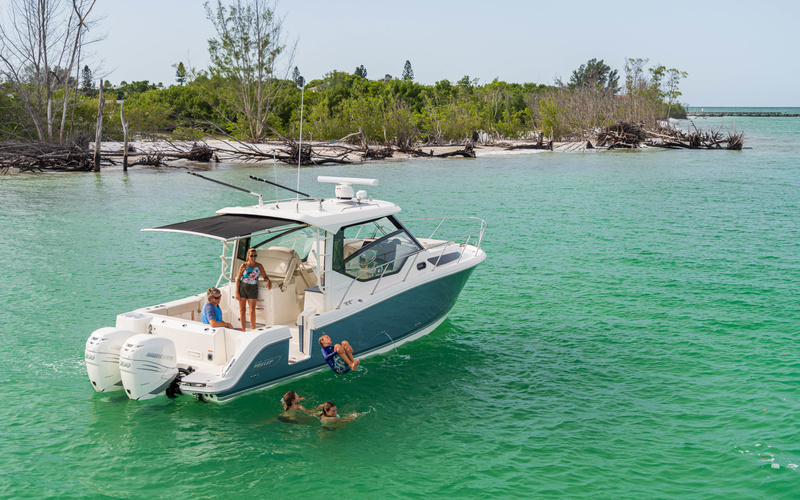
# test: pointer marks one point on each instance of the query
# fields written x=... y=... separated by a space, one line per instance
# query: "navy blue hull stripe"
x=370 y=330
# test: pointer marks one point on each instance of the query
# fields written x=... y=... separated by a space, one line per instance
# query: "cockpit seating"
x=284 y=267
x=280 y=264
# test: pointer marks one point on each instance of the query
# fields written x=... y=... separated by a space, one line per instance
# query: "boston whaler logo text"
x=266 y=363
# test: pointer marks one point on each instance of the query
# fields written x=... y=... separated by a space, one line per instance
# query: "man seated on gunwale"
x=212 y=314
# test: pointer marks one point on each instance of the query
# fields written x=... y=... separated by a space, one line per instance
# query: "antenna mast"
x=300 y=149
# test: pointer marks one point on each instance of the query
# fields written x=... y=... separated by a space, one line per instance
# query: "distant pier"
x=770 y=114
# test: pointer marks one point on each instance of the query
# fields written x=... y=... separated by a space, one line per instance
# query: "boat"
x=344 y=266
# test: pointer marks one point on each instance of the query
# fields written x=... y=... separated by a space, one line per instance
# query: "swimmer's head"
x=329 y=409
x=289 y=399
x=324 y=341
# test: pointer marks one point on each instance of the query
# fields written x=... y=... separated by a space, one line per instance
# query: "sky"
x=736 y=53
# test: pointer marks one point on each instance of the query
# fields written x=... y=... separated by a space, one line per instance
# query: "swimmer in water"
x=291 y=402
x=329 y=416
x=292 y=408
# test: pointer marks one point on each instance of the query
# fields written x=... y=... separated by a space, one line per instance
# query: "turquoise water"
x=788 y=110
x=632 y=334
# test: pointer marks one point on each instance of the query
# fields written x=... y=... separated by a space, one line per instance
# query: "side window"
x=242 y=248
x=371 y=250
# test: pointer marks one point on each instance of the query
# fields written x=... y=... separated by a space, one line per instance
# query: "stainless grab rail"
x=443 y=220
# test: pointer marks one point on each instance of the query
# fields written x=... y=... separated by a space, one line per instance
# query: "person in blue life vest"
x=212 y=314
x=247 y=287
x=339 y=357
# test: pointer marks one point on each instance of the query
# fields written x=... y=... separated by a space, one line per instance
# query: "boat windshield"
x=368 y=250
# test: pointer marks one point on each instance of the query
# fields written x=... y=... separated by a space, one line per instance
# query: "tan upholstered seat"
x=284 y=267
x=279 y=264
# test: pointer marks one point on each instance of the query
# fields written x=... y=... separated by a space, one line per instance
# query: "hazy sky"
x=736 y=53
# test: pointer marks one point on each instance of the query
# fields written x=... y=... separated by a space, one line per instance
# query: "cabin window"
x=368 y=250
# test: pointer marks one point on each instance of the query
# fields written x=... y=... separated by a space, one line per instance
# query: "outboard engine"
x=148 y=364
x=102 y=358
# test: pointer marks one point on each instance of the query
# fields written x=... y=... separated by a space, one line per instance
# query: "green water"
x=633 y=334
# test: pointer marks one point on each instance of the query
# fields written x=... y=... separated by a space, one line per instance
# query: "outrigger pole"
x=284 y=187
x=260 y=199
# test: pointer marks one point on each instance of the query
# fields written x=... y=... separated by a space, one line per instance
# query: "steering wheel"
x=368 y=256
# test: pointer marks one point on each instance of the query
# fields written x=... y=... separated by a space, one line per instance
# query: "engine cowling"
x=148 y=365
x=102 y=358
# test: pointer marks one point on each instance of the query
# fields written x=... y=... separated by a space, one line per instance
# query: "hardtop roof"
x=233 y=223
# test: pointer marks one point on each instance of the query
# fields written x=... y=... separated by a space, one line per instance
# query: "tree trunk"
x=99 y=135
x=124 y=137
x=50 y=118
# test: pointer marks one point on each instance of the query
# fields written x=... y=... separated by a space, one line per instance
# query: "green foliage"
x=149 y=114
x=127 y=90
x=298 y=80
x=595 y=74
x=408 y=73
x=635 y=80
x=656 y=97
x=14 y=122
x=186 y=134
x=554 y=120
x=244 y=59
x=241 y=40
x=180 y=73
x=84 y=119
x=387 y=110
x=678 y=111
x=87 y=82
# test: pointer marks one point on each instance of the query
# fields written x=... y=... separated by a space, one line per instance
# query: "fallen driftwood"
x=293 y=153
x=467 y=152
x=628 y=135
x=673 y=138
x=78 y=156
x=199 y=152
x=574 y=147
x=539 y=144
x=38 y=156
x=621 y=135
x=151 y=160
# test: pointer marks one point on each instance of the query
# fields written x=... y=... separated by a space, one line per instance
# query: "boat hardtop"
x=328 y=214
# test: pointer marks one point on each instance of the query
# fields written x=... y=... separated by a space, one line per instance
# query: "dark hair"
x=288 y=399
x=327 y=406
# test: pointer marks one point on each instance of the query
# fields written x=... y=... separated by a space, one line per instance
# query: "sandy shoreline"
x=226 y=150
x=169 y=153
